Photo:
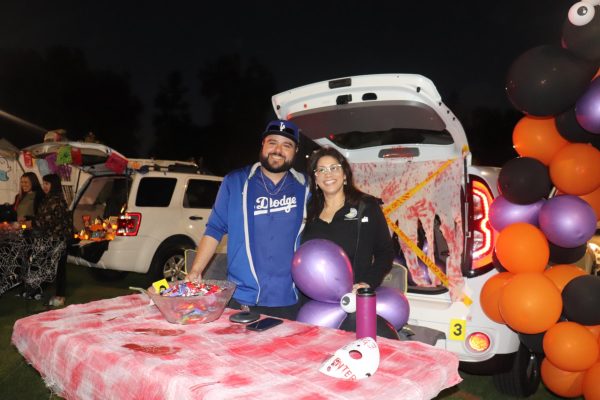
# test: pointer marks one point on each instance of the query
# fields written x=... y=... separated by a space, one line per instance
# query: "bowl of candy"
x=193 y=302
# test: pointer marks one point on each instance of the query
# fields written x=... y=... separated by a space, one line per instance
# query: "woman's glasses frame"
x=333 y=169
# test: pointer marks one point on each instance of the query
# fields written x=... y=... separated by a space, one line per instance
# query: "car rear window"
x=396 y=136
x=377 y=123
x=200 y=193
x=155 y=192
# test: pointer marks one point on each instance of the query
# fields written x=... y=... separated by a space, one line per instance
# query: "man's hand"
x=193 y=276
x=204 y=252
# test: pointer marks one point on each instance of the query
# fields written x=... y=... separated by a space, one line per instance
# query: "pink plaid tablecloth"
x=122 y=348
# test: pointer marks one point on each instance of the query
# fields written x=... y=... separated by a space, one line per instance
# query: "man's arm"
x=204 y=252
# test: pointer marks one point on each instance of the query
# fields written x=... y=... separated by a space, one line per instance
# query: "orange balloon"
x=591 y=383
x=575 y=169
x=562 y=274
x=522 y=247
x=593 y=199
x=560 y=382
x=530 y=303
x=537 y=138
x=490 y=294
x=595 y=329
x=571 y=347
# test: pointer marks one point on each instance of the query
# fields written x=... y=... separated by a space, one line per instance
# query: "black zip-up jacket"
x=375 y=254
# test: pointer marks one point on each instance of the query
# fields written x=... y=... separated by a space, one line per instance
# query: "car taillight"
x=483 y=233
x=478 y=342
x=128 y=224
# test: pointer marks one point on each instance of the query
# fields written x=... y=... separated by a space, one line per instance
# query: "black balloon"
x=583 y=40
x=568 y=127
x=534 y=342
x=547 y=80
x=581 y=300
x=524 y=180
x=566 y=255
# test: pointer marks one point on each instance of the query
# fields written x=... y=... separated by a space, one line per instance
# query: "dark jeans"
x=61 y=275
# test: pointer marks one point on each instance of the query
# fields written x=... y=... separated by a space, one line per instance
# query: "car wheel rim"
x=173 y=268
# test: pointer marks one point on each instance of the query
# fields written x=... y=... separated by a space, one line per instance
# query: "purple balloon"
x=322 y=314
x=504 y=213
x=322 y=271
x=587 y=109
x=567 y=221
x=392 y=305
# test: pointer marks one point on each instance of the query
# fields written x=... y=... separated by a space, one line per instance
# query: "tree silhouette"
x=239 y=95
x=59 y=90
x=176 y=135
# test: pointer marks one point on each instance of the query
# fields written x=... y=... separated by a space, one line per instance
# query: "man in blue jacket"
x=262 y=210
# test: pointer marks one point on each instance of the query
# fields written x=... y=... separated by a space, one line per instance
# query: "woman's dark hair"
x=55 y=185
x=35 y=183
x=36 y=188
x=317 y=200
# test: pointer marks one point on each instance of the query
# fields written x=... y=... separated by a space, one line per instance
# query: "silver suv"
x=142 y=220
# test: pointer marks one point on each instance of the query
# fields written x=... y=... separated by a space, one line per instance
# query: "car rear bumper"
x=132 y=254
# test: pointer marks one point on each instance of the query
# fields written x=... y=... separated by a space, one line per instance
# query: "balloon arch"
x=549 y=207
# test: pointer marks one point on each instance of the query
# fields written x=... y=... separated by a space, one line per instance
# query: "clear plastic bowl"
x=194 y=309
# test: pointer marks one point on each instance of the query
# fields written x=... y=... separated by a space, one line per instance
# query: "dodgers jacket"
x=230 y=216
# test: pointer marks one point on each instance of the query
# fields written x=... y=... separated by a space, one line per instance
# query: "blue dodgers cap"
x=283 y=128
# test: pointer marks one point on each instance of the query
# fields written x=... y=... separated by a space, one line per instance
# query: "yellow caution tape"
x=412 y=245
x=403 y=198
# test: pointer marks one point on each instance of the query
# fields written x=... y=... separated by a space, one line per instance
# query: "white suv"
x=391 y=127
x=159 y=210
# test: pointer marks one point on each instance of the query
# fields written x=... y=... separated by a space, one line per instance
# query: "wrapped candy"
x=188 y=289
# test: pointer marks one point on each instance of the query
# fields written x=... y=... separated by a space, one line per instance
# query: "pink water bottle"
x=366 y=313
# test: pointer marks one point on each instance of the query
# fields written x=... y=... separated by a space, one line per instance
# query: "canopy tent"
x=8 y=150
x=10 y=171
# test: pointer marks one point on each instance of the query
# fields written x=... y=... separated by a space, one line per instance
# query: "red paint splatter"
x=347 y=386
x=232 y=329
x=90 y=325
x=314 y=396
x=262 y=350
x=236 y=380
x=159 y=332
x=97 y=311
x=156 y=350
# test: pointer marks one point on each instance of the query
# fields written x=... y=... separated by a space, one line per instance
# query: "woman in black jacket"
x=53 y=221
x=335 y=212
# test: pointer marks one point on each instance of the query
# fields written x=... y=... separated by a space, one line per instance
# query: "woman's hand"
x=359 y=285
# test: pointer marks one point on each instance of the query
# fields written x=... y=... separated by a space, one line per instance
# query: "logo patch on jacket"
x=351 y=214
x=265 y=205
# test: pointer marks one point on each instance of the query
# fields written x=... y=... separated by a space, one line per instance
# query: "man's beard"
x=285 y=166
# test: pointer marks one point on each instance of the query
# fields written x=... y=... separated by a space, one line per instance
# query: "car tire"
x=523 y=379
x=169 y=262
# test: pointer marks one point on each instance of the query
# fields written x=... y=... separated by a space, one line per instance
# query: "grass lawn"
x=18 y=380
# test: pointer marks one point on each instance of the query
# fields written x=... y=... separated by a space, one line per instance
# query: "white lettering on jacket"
x=265 y=205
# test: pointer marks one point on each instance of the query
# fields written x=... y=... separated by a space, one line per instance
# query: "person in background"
x=261 y=208
x=53 y=220
x=29 y=197
x=334 y=212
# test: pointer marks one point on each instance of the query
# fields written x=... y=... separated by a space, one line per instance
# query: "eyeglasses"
x=334 y=169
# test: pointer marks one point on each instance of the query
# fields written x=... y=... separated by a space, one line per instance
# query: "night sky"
x=465 y=47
